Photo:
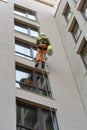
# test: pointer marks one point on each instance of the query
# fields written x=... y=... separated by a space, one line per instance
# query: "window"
x=67 y=12
x=84 y=9
x=32 y=81
x=24 y=50
x=76 y=31
x=29 y=14
x=76 y=1
x=4 y=0
x=27 y=118
x=84 y=53
x=34 y=118
x=31 y=31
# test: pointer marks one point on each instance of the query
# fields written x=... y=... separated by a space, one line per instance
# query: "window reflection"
x=43 y=85
x=26 y=51
x=20 y=13
x=27 y=117
x=34 y=32
x=84 y=53
x=33 y=81
x=27 y=14
x=21 y=29
x=33 y=118
x=31 y=16
x=84 y=9
x=24 y=79
x=76 y=31
x=76 y=1
x=68 y=13
x=34 y=52
x=49 y=120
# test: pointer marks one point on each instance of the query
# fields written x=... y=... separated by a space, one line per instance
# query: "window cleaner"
x=44 y=47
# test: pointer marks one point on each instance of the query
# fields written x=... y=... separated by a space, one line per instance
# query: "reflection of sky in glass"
x=21 y=29
x=20 y=75
x=33 y=33
x=34 y=53
x=78 y=31
x=86 y=12
x=32 y=17
x=20 y=13
x=29 y=58
x=22 y=50
x=69 y=16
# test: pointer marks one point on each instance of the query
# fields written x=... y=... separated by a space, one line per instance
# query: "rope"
x=48 y=98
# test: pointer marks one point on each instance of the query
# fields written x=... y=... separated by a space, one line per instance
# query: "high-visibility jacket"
x=42 y=39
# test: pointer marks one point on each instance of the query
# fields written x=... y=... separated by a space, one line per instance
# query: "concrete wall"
x=7 y=68
x=77 y=92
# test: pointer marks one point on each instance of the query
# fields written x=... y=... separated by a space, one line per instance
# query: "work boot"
x=36 y=65
x=43 y=65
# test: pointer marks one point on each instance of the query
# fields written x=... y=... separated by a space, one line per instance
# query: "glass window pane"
x=43 y=85
x=27 y=117
x=76 y=31
x=23 y=51
x=24 y=79
x=68 y=16
x=32 y=17
x=85 y=13
x=85 y=58
x=84 y=53
x=76 y=34
x=68 y=13
x=21 y=29
x=76 y=1
x=33 y=33
x=84 y=9
x=34 y=53
x=20 y=13
x=49 y=120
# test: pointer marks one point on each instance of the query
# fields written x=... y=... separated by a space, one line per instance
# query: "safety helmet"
x=42 y=33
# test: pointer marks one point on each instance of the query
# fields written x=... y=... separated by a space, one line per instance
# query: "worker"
x=42 y=42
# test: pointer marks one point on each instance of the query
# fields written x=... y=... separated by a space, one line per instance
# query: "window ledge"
x=6 y=1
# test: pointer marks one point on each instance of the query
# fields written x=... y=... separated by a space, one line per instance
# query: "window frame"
x=32 y=48
x=26 y=27
x=39 y=112
x=74 y=30
x=41 y=90
x=19 y=9
x=83 y=9
x=66 y=12
x=83 y=53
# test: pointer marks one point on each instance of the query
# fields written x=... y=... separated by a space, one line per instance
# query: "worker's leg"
x=43 y=57
x=38 y=57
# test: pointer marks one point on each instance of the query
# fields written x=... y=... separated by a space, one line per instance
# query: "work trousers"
x=41 y=55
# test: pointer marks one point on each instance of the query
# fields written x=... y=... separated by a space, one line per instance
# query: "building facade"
x=53 y=99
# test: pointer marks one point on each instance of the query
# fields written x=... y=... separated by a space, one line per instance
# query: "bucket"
x=49 y=51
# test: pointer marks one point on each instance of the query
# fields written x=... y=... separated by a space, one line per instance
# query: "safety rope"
x=53 y=119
